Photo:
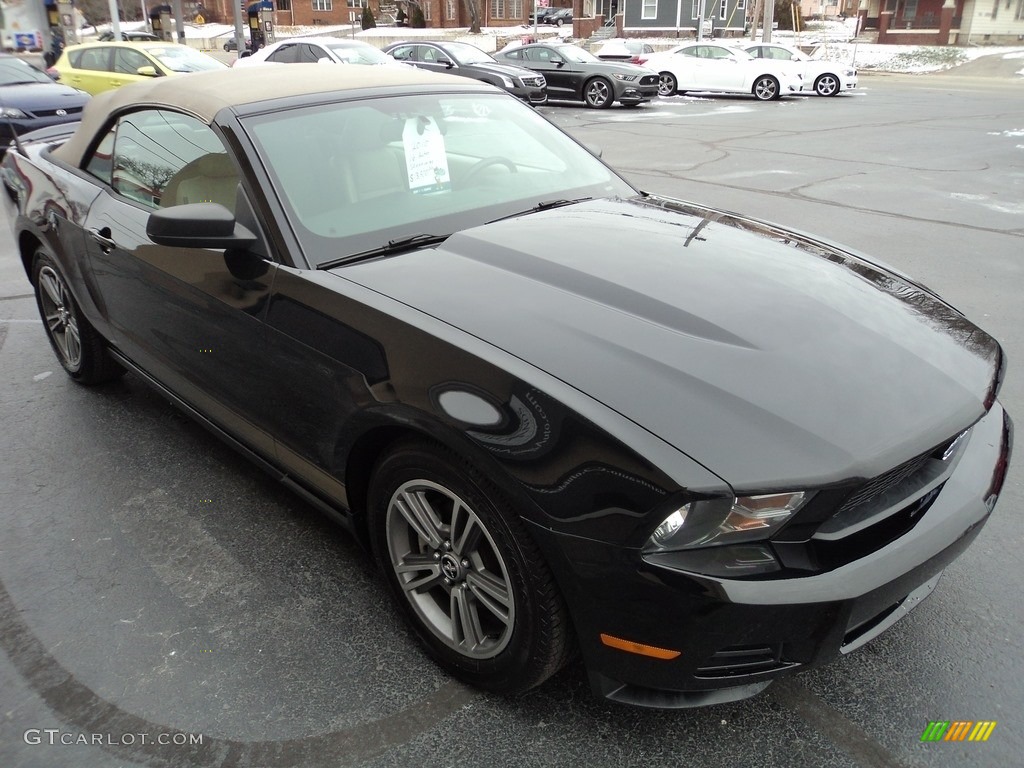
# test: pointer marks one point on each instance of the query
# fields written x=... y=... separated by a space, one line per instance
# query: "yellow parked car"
x=98 y=67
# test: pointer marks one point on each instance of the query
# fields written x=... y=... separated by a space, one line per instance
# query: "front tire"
x=598 y=94
x=80 y=350
x=766 y=88
x=465 y=572
x=667 y=84
x=826 y=85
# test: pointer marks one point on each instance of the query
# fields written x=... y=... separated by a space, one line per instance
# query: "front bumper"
x=737 y=635
x=631 y=93
x=531 y=95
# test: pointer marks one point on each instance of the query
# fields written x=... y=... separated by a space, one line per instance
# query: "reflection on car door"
x=720 y=69
x=556 y=70
x=181 y=314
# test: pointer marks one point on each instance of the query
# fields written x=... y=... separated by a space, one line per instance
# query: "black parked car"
x=30 y=99
x=556 y=16
x=469 y=61
x=232 y=45
x=575 y=74
x=565 y=415
x=136 y=37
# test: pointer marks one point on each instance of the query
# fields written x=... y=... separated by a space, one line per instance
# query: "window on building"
x=426 y=10
x=910 y=10
x=723 y=9
x=452 y=11
x=498 y=11
x=515 y=9
x=649 y=9
x=323 y=5
x=284 y=5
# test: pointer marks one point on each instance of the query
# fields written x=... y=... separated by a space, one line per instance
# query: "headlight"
x=507 y=81
x=849 y=72
x=13 y=113
x=626 y=78
x=718 y=522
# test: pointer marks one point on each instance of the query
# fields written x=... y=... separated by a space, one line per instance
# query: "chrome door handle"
x=102 y=236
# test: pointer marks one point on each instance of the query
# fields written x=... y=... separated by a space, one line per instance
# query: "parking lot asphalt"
x=154 y=584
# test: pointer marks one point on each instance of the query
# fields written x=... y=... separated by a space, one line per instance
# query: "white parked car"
x=312 y=50
x=719 y=68
x=825 y=78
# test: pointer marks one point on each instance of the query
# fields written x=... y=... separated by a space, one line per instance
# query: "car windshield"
x=359 y=54
x=577 y=54
x=465 y=53
x=385 y=169
x=181 y=58
x=17 y=72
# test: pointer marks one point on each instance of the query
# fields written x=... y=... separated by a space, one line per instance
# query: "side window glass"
x=428 y=55
x=127 y=61
x=311 y=54
x=403 y=53
x=286 y=54
x=162 y=159
x=95 y=59
x=515 y=55
x=101 y=163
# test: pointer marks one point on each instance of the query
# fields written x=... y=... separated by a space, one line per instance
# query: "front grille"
x=744 y=660
x=892 y=489
x=533 y=82
x=649 y=80
x=53 y=112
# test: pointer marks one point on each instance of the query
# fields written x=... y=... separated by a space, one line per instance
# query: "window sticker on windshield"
x=425 y=156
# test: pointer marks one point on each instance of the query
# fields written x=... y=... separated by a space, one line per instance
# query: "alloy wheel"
x=827 y=85
x=598 y=94
x=766 y=88
x=59 y=315
x=449 y=569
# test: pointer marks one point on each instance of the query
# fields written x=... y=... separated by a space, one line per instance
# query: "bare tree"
x=473 y=7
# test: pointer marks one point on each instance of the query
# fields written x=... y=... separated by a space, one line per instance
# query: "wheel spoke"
x=49 y=284
x=429 y=571
x=73 y=342
x=465 y=530
x=491 y=592
x=53 y=321
x=466 y=629
x=416 y=510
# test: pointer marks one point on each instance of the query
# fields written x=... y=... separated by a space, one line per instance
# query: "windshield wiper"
x=392 y=246
x=544 y=205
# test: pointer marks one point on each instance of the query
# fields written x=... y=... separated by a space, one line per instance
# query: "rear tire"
x=79 y=348
x=667 y=84
x=464 y=571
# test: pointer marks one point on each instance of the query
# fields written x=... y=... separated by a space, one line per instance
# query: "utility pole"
x=769 y=13
x=700 y=21
x=115 y=19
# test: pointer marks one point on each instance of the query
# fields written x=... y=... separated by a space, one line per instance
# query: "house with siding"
x=922 y=22
x=681 y=16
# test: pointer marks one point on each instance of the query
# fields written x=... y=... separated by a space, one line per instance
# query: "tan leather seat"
x=208 y=179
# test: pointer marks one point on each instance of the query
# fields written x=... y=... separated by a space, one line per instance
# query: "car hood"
x=497 y=68
x=768 y=357
x=36 y=96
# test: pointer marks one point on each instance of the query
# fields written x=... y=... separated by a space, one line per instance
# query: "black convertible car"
x=566 y=416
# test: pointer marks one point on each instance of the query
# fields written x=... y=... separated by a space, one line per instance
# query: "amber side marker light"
x=644 y=650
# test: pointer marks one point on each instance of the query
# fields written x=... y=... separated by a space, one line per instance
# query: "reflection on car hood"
x=509 y=70
x=36 y=96
x=765 y=356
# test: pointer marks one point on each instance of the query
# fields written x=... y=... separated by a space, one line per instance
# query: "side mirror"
x=324 y=60
x=147 y=71
x=593 y=149
x=243 y=53
x=558 y=62
x=447 y=62
x=198 y=225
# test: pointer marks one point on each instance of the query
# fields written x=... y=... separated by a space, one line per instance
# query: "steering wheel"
x=485 y=163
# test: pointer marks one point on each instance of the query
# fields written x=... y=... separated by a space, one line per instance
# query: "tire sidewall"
x=607 y=102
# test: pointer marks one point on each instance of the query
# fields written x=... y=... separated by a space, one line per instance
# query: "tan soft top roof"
x=204 y=94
